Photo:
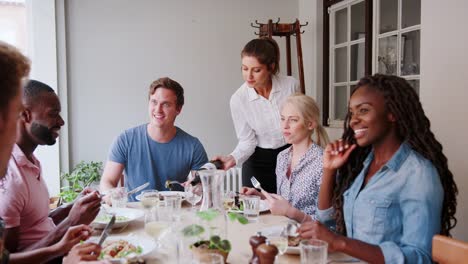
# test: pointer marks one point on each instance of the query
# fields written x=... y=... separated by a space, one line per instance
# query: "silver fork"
x=256 y=184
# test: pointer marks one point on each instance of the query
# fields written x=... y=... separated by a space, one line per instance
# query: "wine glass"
x=281 y=242
x=193 y=191
x=149 y=199
x=155 y=228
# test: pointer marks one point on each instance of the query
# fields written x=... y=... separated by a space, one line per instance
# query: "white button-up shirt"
x=257 y=119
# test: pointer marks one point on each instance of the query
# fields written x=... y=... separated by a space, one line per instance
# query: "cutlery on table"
x=139 y=188
x=169 y=184
x=106 y=230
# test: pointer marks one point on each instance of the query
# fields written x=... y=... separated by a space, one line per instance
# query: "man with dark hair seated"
x=25 y=201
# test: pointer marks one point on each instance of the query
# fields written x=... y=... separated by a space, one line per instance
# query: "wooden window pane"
x=341 y=64
x=357 y=61
x=415 y=85
x=388 y=13
x=387 y=58
x=341 y=102
x=358 y=21
x=341 y=26
x=410 y=52
x=410 y=13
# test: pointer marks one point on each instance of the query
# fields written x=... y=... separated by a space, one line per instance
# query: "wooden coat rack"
x=285 y=30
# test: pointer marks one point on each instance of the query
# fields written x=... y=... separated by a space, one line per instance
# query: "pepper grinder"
x=255 y=241
x=267 y=253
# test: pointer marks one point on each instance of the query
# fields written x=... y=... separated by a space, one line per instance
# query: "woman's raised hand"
x=336 y=154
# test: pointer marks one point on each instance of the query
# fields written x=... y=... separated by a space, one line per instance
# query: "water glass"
x=313 y=251
x=173 y=204
x=193 y=194
x=149 y=198
x=119 y=197
x=251 y=208
x=210 y=258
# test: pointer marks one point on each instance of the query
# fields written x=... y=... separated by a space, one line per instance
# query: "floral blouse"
x=302 y=188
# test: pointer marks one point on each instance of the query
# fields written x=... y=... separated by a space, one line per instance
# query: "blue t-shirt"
x=146 y=160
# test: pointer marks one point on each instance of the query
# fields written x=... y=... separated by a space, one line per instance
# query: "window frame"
x=372 y=24
x=398 y=32
x=326 y=98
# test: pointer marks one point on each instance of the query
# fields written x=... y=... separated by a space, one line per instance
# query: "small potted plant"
x=207 y=241
x=80 y=177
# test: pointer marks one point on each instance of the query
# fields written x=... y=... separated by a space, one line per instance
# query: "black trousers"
x=262 y=165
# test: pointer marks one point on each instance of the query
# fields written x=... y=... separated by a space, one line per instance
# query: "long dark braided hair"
x=413 y=127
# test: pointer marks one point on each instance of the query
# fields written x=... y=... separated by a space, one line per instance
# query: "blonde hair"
x=310 y=112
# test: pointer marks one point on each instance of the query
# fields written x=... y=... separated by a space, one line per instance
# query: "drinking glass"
x=149 y=199
x=172 y=205
x=280 y=241
x=192 y=194
x=119 y=197
x=210 y=258
x=229 y=200
x=154 y=227
x=313 y=251
x=252 y=208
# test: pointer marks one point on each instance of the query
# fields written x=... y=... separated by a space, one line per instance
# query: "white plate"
x=131 y=214
x=164 y=193
x=264 y=207
x=275 y=231
x=146 y=243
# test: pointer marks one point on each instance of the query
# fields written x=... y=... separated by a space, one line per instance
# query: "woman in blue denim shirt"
x=393 y=190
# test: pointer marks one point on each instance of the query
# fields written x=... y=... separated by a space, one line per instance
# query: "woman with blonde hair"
x=299 y=167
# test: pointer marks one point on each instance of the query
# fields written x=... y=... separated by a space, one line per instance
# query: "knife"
x=106 y=230
x=139 y=188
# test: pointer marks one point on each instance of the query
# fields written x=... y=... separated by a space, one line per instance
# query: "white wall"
x=115 y=49
x=43 y=53
x=444 y=91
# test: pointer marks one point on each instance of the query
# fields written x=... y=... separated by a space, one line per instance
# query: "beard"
x=43 y=133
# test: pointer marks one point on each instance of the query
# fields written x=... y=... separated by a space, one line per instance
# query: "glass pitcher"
x=213 y=187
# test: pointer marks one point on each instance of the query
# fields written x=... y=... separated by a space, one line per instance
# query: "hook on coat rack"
x=277 y=29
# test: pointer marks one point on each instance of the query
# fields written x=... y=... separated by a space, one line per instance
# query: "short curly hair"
x=14 y=66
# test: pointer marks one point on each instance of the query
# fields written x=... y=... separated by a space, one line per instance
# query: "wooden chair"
x=447 y=250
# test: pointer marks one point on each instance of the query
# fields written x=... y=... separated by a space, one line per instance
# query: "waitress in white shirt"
x=255 y=110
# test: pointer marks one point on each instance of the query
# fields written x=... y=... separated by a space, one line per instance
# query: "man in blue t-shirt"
x=157 y=151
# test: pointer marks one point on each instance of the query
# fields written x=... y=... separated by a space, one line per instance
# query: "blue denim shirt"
x=399 y=209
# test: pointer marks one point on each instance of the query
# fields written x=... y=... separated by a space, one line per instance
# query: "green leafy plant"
x=80 y=177
x=214 y=242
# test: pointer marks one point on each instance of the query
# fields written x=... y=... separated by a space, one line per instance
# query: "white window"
x=395 y=44
x=347 y=55
x=397 y=30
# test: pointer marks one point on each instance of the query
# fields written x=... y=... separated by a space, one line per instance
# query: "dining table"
x=238 y=234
